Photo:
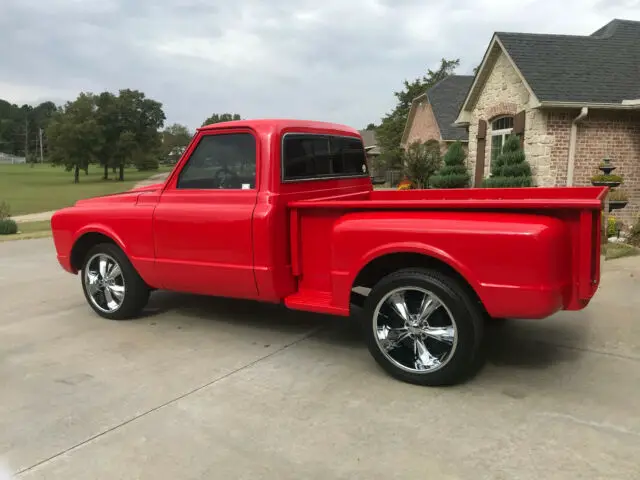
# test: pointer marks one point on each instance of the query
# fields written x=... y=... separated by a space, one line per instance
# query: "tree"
x=175 y=138
x=454 y=173
x=371 y=127
x=510 y=168
x=221 y=117
x=389 y=133
x=75 y=135
x=421 y=160
x=129 y=127
x=20 y=128
x=141 y=118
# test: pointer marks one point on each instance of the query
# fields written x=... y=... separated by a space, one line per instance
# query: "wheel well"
x=382 y=266
x=84 y=244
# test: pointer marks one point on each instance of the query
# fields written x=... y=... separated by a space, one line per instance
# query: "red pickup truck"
x=284 y=211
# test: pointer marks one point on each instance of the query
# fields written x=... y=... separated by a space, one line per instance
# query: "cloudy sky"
x=334 y=60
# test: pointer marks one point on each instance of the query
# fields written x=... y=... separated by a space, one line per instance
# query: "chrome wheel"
x=414 y=330
x=104 y=282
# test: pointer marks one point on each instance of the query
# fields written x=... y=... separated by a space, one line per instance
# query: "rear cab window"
x=316 y=157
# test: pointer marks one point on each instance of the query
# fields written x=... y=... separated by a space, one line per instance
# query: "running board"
x=314 y=301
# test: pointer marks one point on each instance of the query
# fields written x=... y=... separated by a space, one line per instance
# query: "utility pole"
x=41 y=155
x=26 y=139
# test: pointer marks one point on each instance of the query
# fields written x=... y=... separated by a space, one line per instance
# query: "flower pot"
x=617 y=204
x=606 y=184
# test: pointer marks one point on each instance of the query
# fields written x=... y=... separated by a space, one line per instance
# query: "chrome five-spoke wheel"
x=414 y=329
x=424 y=327
x=104 y=283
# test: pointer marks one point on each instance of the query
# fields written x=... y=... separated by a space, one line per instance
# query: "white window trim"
x=504 y=133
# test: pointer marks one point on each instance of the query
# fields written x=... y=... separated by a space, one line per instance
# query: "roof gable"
x=599 y=68
x=445 y=98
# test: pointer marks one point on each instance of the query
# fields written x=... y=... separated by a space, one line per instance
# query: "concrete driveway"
x=206 y=388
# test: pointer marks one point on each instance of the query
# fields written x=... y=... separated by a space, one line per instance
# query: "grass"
x=42 y=187
x=28 y=230
x=618 y=250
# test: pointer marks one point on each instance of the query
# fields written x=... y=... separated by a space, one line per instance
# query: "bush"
x=8 y=226
x=454 y=173
x=634 y=234
x=613 y=227
x=506 y=182
x=421 y=161
x=510 y=168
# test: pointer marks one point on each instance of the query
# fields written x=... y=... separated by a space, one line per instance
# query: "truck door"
x=203 y=221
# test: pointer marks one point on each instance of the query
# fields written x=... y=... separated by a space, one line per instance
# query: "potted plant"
x=617 y=199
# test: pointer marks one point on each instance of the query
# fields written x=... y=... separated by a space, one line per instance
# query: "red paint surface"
x=526 y=252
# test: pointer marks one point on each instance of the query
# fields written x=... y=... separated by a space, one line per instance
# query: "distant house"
x=573 y=100
x=432 y=114
x=370 y=142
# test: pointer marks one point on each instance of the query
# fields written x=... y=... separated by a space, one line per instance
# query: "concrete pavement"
x=210 y=388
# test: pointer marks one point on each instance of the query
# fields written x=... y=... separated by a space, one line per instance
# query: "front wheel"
x=112 y=286
x=423 y=327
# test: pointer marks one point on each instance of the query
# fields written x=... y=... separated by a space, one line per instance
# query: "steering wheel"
x=226 y=178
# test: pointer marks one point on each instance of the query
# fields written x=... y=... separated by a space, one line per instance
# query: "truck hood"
x=129 y=196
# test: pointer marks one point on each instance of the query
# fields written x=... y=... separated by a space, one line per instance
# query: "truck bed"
x=513 y=272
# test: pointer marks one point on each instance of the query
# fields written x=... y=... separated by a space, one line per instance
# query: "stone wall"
x=424 y=126
x=505 y=94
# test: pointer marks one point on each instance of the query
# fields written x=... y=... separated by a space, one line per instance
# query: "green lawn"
x=43 y=187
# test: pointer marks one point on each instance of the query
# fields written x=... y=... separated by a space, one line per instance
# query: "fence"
x=7 y=158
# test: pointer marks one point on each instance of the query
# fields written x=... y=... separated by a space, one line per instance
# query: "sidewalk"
x=43 y=216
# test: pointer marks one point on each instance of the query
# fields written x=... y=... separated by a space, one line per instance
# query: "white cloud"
x=329 y=60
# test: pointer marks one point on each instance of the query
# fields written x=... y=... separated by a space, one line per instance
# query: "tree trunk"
x=76 y=174
x=106 y=171
x=121 y=176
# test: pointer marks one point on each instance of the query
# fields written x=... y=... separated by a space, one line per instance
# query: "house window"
x=501 y=128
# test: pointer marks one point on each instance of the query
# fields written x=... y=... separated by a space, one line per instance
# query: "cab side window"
x=221 y=161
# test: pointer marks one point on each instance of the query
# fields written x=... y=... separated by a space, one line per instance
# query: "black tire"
x=136 y=291
x=463 y=312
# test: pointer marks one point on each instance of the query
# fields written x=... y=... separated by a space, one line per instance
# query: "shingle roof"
x=446 y=98
x=600 y=68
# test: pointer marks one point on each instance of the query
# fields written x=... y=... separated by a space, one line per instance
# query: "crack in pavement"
x=169 y=402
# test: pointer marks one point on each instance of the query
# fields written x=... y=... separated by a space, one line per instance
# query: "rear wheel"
x=111 y=284
x=423 y=327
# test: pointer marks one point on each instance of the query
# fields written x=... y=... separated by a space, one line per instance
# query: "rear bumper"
x=517 y=302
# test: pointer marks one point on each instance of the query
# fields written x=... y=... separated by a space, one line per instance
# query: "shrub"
x=421 y=161
x=634 y=234
x=613 y=227
x=454 y=173
x=8 y=226
x=510 y=168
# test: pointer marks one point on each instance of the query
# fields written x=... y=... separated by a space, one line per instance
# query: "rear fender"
x=418 y=248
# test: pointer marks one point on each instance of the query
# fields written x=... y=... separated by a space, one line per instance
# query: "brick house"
x=432 y=114
x=573 y=100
